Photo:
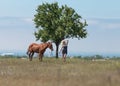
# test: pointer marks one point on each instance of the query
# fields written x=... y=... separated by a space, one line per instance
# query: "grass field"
x=54 y=72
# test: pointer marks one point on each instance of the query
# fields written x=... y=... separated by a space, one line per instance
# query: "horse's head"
x=50 y=46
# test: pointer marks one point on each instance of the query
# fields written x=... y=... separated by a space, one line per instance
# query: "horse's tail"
x=28 y=50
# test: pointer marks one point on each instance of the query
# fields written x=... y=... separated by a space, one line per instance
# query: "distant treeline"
x=97 y=57
x=12 y=56
x=79 y=57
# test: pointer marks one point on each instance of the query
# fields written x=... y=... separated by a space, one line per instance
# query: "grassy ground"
x=52 y=72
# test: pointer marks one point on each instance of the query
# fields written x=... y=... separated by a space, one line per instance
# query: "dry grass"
x=52 y=72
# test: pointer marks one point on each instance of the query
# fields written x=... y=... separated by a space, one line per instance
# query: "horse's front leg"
x=40 y=57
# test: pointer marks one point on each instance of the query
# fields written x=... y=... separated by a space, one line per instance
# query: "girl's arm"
x=67 y=42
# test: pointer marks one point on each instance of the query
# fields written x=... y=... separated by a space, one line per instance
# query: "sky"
x=103 y=18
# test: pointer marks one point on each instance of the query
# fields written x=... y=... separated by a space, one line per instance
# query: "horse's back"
x=35 y=47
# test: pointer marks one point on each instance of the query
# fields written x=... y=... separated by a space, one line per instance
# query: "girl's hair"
x=64 y=42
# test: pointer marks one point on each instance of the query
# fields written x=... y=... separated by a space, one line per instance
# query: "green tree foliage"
x=55 y=23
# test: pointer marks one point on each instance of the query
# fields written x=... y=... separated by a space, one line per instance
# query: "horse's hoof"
x=30 y=60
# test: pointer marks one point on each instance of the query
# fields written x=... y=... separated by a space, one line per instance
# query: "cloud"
x=104 y=23
x=111 y=25
x=16 y=22
x=92 y=22
x=28 y=20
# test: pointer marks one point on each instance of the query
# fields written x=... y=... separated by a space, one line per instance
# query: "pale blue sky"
x=103 y=17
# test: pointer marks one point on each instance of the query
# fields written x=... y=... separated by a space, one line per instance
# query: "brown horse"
x=38 y=48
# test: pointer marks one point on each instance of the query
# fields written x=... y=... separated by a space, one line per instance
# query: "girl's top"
x=64 y=46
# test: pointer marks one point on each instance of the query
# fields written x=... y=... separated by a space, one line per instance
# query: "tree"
x=55 y=23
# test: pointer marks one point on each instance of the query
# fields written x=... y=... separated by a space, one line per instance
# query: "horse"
x=38 y=48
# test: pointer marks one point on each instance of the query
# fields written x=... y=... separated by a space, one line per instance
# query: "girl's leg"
x=64 y=57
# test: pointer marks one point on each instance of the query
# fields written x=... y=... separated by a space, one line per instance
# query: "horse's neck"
x=45 y=46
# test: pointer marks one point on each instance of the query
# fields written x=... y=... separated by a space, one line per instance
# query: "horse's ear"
x=50 y=42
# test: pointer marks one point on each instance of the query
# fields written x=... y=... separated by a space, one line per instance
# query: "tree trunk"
x=57 y=48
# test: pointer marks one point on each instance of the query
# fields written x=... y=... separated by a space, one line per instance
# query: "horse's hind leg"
x=31 y=56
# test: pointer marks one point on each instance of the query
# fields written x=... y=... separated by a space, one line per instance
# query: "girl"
x=64 y=49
